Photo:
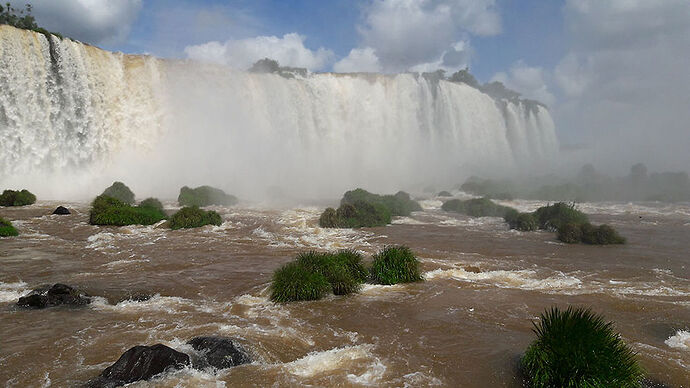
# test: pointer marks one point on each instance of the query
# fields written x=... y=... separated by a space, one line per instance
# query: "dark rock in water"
x=62 y=210
x=140 y=363
x=56 y=295
x=218 y=352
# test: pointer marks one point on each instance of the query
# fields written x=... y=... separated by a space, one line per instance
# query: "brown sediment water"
x=465 y=326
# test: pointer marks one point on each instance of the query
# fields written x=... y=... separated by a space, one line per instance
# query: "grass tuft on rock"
x=399 y=204
x=333 y=268
x=577 y=348
x=521 y=221
x=294 y=282
x=359 y=214
x=152 y=203
x=395 y=264
x=193 y=217
x=107 y=210
x=17 y=198
x=6 y=228
x=120 y=191
x=352 y=261
x=205 y=196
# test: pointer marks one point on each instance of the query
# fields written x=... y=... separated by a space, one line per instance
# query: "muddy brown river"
x=466 y=325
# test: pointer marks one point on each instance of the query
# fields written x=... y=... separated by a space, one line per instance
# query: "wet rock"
x=61 y=210
x=55 y=295
x=140 y=363
x=218 y=352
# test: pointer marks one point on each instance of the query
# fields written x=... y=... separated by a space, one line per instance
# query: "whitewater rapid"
x=72 y=112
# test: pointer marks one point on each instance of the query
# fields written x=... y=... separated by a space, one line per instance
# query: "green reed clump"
x=576 y=348
x=399 y=204
x=395 y=264
x=476 y=207
x=6 y=228
x=352 y=261
x=193 y=217
x=152 y=203
x=333 y=268
x=205 y=196
x=17 y=198
x=359 y=214
x=521 y=221
x=294 y=282
x=120 y=191
x=554 y=216
x=107 y=210
x=587 y=233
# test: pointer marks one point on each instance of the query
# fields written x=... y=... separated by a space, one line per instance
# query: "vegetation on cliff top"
x=107 y=210
x=360 y=208
x=205 y=196
x=121 y=192
x=22 y=18
x=17 y=198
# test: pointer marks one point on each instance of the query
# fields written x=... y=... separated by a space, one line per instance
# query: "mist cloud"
x=625 y=81
x=530 y=81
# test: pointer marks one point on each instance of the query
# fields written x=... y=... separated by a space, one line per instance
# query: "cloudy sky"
x=614 y=73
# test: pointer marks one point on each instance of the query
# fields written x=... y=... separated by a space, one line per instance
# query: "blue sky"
x=607 y=69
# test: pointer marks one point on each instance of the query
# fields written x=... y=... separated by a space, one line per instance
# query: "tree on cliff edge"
x=18 y=18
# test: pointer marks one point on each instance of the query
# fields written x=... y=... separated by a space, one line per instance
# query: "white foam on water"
x=168 y=304
x=430 y=204
x=680 y=340
x=10 y=292
x=520 y=279
x=342 y=358
x=407 y=221
x=418 y=379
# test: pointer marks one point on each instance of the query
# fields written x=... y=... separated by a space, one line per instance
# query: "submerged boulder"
x=61 y=210
x=140 y=363
x=56 y=295
x=218 y=352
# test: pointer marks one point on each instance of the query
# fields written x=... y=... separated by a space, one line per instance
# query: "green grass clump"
x=395 y=265
x=193 y=217
x=589 y=234
x=205 y=196
x=152 y=203
x=111 y=211
x=577 y=348
x=120 y=191
x=6 y=228
x=399 y=204
x=294 y=282
x=17 y=198
x=521 y=221
x=554 y=216
x=342 y=272
x=333 y=268
x=359 y=214
x=476 y=207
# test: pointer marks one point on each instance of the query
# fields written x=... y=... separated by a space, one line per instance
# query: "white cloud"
x=288 y=51
x=91 y=21
x=359 y=60
x=529 y=81
x=625 y=79
x=408 y=33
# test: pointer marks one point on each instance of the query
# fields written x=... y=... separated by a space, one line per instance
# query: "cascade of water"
x=69 y=111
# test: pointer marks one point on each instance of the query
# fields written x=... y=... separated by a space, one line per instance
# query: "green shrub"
x=444 y=194
x=333 y=268
x=151 y=202
x=570 y=233
x=359 y=214
x=111 y=211
x=602 y=235
x=525 y=222
x=17 y=198
x=395 y=265
x=329 y=218
x=489 y=188
x=193 y=217
x=399 y=204
x=120 y=191
x=554 y=216
x=577 y=348
x=6 y=228
x=205 y=196
x=294 y=282
x=476 y=207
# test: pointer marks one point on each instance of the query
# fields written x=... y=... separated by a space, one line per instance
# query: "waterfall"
x=73 y=118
